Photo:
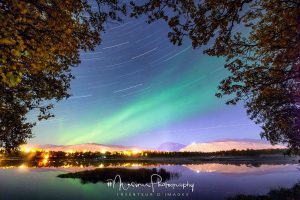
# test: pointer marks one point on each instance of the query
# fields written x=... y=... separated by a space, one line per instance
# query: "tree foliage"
x=40 y=42
x=260 y=40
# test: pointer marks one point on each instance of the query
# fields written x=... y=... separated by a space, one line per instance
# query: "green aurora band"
x=165 y=102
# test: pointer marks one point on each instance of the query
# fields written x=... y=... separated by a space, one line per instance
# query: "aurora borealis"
x=136 y=88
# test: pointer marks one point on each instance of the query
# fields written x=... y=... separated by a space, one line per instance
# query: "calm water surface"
x=209 y=180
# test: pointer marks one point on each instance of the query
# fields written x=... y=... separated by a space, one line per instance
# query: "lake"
x=207 y=180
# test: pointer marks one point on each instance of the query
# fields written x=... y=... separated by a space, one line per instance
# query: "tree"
x=263 y=57
x=40 y=42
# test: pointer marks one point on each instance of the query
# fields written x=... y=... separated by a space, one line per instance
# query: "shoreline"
x=261 y=159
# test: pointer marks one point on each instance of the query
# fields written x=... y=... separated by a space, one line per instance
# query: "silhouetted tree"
x=261 y=43
x=40 y=41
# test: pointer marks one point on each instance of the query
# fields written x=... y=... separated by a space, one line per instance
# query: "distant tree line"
x=145 y=154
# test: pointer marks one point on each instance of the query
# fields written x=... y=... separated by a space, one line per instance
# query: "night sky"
x=136 y=88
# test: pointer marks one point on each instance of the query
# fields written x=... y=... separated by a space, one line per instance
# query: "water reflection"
x=70 y=164
x=62 y=179
x=241 y=166
x=234 y=168
x=292 y=193
x=140 y=175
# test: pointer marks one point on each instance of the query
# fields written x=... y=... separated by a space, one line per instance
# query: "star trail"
x=136 y=88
